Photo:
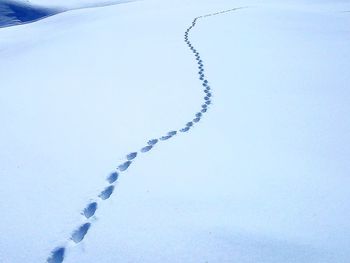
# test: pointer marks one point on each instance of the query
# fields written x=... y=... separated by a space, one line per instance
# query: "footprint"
x=208 y=102
x=198 y=114
x=79 y=234
x=204 y=106
x=206 y=98
x=90 y=210
x=206 y=91
x=204 y=110
x=164 y=138
x=196 y=119
x=185 y=129
x=124 y=166
x=189 y=124
x=146 y=148
x=131 y=156
x=57 y=256
x=205 y=81
x=208 y=94
x=152 y=142
x=172 y=133
x=105 y=194
x=112 y=177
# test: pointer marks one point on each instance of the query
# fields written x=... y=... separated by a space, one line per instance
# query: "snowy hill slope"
x=17 y=12
x=262 y=178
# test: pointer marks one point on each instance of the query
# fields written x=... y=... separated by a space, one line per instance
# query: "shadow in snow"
x=15 y=13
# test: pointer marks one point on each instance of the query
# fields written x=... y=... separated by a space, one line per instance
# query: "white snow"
x=262 y=178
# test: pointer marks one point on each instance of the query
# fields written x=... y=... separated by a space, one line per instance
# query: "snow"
x=263 y=177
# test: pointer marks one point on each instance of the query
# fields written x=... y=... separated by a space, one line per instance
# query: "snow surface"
x=264 y=177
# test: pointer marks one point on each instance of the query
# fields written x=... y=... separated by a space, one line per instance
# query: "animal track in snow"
x=112 y=177
x=123 y=167
x=185 y=129
x=146 y=148
x=152 y=142
x=90 y=210
x=105 y=194
x=79 y=234
x=57 y=255
x=172 y=133
x=131 y=156
x=164 y=138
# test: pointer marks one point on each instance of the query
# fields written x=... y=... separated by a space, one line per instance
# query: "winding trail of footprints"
x=78 y=235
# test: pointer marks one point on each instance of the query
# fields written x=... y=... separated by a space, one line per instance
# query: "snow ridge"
x=16 y=12
x=78 y=235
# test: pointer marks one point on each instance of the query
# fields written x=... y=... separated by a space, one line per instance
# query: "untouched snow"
x=262 y=178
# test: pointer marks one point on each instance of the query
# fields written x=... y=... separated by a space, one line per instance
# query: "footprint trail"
x=78 y=235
